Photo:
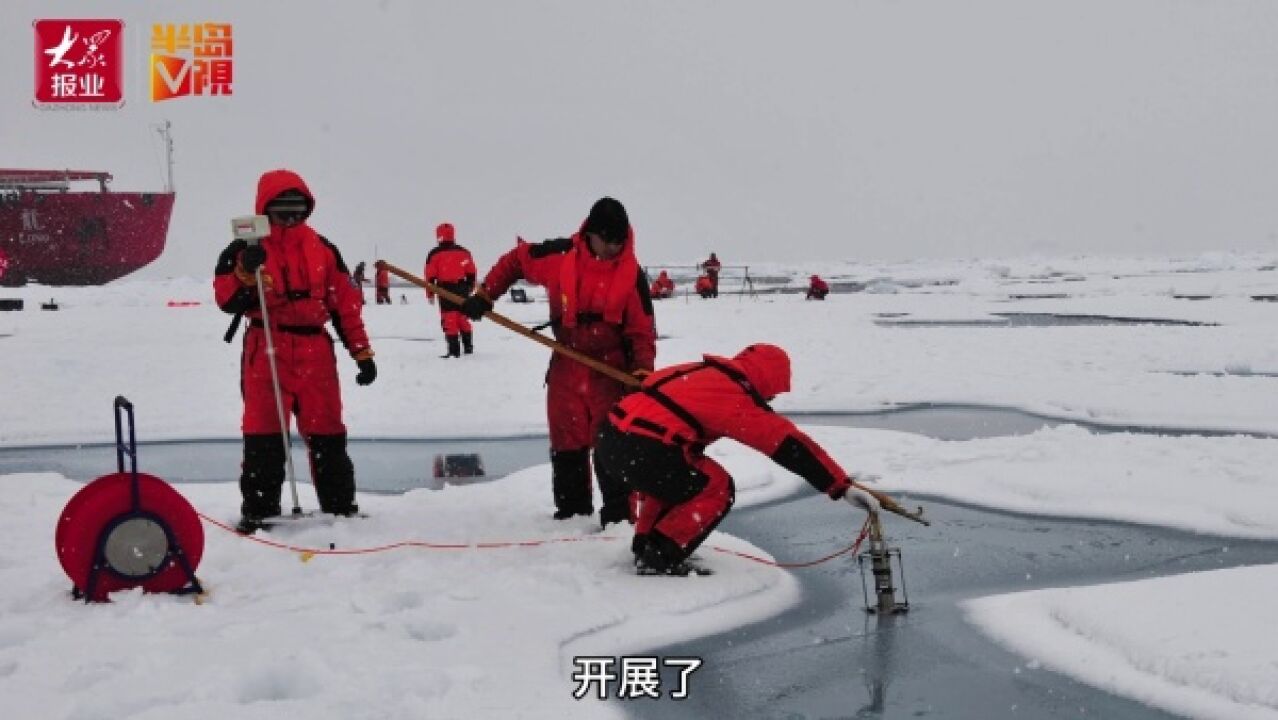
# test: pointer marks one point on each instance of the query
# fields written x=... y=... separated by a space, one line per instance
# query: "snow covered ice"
x=492 y=632
x=779 y=135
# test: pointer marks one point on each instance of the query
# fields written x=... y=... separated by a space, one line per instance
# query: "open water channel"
x=827 y=657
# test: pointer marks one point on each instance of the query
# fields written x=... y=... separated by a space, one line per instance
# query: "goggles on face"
x=287 y=211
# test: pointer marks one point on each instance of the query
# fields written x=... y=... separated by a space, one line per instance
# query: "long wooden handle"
x=619 y=375
x=885 y=501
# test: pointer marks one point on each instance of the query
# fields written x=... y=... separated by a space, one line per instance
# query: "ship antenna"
x=165 y=132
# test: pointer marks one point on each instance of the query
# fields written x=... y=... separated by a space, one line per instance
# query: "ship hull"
x=80 y=238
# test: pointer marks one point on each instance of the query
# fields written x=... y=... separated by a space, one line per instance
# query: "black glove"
x=475 y=306
x=252 y=258
x=367 y=372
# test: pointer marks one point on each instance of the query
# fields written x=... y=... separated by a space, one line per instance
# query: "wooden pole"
x=619 y=375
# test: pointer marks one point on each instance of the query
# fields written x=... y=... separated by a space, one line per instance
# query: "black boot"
x=333 y=473
x=454 y=346
x=614 y=512
x=659 y=555
x=614 y=494
x=262 y=476
x=570 y=482
x=468 y=345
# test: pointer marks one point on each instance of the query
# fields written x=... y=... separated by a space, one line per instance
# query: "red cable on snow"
x=865 y=530
x=397 y=545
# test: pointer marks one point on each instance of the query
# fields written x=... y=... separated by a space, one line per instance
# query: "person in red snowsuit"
x=663 y=287
x=712 y=267
x=382 y=282
x=600 y=307
x=307 y=285
x=704 y=287
x=817 y=288
x=655 y=442
x=451 y=267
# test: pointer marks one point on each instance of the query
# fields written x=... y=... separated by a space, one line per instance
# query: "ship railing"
x=44 y=181
x=39 y=186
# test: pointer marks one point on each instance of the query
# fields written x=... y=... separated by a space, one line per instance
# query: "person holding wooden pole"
x=600 y=307
x=630 y=381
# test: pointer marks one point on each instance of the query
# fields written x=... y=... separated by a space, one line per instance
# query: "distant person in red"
x=655 y=441
x=817 y=288
x=382 y=282
x=704 y=287
x=307 y=285
x=451 y=267
x=663 y=287
x=712 y=267
x=600 y=307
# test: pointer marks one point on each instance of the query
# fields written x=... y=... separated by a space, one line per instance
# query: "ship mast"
x=165 y=132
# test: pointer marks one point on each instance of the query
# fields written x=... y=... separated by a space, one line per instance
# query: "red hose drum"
x=137 y=550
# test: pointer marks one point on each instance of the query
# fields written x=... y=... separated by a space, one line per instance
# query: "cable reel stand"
x=129 y=529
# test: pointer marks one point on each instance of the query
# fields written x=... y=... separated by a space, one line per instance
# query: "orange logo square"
x=190 y=60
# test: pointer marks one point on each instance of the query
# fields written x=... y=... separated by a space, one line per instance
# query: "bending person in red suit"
x=663 y=287
x=704 y=287
x=817 y=288
x=655 y=441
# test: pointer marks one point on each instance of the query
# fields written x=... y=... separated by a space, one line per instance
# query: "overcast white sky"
x=760 y=130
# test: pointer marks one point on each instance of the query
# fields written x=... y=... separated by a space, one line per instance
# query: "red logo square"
x=79 y=62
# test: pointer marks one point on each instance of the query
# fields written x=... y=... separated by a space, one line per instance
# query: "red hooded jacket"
x=307 y=282
x=599 y=307
x=720 y=397
x=450 y=265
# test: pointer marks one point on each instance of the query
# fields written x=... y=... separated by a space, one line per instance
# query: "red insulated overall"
x=656 y=442
x=600 y=308
x=452 y=267
x=307 y=285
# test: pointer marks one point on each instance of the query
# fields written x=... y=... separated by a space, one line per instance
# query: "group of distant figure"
x=662 y=288
x=381 y=283
x=707 y=283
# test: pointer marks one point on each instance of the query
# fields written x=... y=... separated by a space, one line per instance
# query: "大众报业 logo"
x=78 y=64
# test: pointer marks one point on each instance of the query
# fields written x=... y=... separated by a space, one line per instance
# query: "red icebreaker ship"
x=55 y=232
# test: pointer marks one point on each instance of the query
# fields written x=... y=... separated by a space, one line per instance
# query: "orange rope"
x=865 y=530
